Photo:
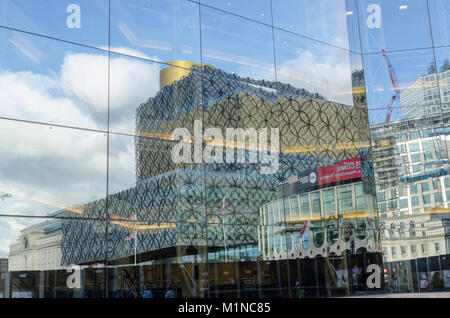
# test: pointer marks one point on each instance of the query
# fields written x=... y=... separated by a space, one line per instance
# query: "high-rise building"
x=424 y=96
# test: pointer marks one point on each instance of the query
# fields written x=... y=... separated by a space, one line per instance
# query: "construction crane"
x=393 y=77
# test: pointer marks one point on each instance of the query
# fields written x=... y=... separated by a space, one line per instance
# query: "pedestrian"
x=355 y=277
x=361 y=280
x=170 y=293
x=147 y=292
x=394 y=279
x=300 y=290
x=437 y=283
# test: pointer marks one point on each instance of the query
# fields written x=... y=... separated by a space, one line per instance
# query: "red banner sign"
x=343 y=170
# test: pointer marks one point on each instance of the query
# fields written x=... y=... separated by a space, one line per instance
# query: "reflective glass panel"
x=84 y=21
x=258 y=10
x=53 y=82
x=52 y=170
x=163 y=30
x=330 y=21
x=393 y=25
x=237 y=45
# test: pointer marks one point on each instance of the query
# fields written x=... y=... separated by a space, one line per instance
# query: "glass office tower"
x=254 y=148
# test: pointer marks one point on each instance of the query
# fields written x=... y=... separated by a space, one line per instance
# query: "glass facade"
x=219 y=149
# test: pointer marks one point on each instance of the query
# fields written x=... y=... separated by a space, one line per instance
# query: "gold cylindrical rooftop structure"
x=175 y=72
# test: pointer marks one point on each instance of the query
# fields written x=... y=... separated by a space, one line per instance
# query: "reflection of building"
x=411 y=165
x=415 y=236
x=3 y=265
x=38 y=248
x=178 y=205
x=320 y=212
x=423 y=97
x=412 y=176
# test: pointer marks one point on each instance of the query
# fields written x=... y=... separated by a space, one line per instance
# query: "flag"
x=223 y=207
x=130 y=237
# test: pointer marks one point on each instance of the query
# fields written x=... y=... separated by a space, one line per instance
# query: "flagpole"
x=223 y=228
x=135 y=238
x=224 y=240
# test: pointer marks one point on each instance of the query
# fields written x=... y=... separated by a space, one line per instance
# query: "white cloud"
x=30 y=96
x=58 y=167
x=47 y=168
x=122 y=163
x=325 y=74
x=132 y=82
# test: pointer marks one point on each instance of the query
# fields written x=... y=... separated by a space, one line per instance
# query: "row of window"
x=432 y=132
x=413 y=248
x=415 y=146
x=321 y=203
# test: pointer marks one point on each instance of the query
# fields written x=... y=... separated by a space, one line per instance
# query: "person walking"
x=147 y=292
x=300 y=289
x=355 y=278
x=170 y=293
x=394 y=278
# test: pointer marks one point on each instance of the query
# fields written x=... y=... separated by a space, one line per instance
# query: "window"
x=425 y=186
x=415 y=201
x=417 y=168
x=306 y=210
x=413 y=249
x=401 y=136
x=447 y=182
x=404 y=159
x=412 y=227
x=393 y=250
x=414 y=134
x=402 y=229
x=328 y=202
x=294 y=206
x=415 y=157
x=413 y=189
x=284 y=209
x=361 y=203
x=392 y=205
x=414 y=146
x=437 y=247
x=428 y=156
x=393 y=194
x=401 y=149
x=426 y=199
x=435 y=184
x=426 y=145
x=424 y=248
x=392 y=231
x=381 y=196
x=315 y=203
x=403 y=203
x=437 y=143
x=345 y=200
x=403 y=249
x=438 y=197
